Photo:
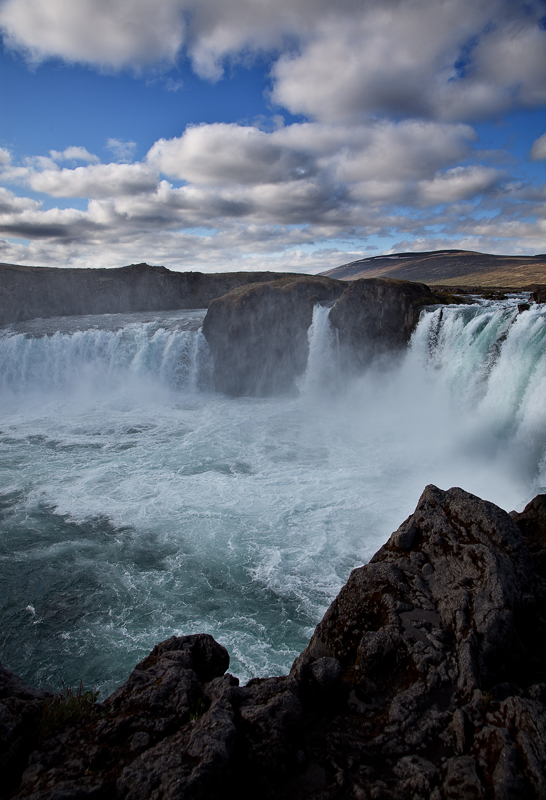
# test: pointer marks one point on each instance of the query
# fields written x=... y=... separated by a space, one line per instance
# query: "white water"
x=135 y=503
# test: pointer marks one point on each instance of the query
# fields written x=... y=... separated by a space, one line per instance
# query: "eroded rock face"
x=21 y=708
x=258 y=333
x=378 y=315
x=426 y=680
x=29 y=292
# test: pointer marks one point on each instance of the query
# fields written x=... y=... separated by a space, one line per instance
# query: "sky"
x=215 y=135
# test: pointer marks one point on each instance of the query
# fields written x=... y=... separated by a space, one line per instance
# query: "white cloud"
x=106 y=33
x=538 y=150
x=309 y=182
x=228 y=153
x=450 y=59
x=5 y=156
x=96 y=180
x=447 y=59
x=460 y=183
x=74 y=154
x=232 y=155
x=11 y=204
x=122 y=151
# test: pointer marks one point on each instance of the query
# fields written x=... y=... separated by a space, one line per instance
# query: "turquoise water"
x=135 y=503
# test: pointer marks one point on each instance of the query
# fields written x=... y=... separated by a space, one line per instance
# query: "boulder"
x=257 y=333
x=532 y=524
x=21 y=709
x=538 y=293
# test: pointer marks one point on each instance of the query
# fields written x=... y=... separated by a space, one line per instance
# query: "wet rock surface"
x=258 y=333
x=426 y=678
x=378 y=315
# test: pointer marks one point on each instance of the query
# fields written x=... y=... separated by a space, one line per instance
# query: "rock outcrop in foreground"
x=426 y=679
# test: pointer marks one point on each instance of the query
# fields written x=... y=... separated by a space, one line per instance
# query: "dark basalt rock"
x=21 y=708
x=258 y=333
x=29 y=292
x=378 y=315
x=532 y=524
x=426 y=680
x=538 y=294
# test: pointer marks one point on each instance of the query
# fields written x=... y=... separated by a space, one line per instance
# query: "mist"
x=138 y=503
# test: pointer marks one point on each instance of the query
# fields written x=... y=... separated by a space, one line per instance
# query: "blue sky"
x=249 y=134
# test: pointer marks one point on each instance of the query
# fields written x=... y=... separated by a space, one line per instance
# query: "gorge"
x=145 y=497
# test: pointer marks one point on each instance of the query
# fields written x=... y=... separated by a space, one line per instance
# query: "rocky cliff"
x=29 y=292
x=426 y=679
x=378 y=316
x=258 y=333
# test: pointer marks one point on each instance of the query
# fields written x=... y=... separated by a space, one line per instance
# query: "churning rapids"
x=136 y=503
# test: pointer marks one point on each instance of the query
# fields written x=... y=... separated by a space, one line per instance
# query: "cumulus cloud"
x=307 y=182
x=538 y=150
x=448 y=59
x=451 y=59
x=11 y=204
x=222 y=153
x=5 y=156
x=460 y=183
x=74 y=154
x=364 y=58
x=387 y=91
x=106 y=33
x=97 y=180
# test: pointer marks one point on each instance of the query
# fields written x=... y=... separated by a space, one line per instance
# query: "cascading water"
x=168 y=349
x=135 y=503
x=322 y=373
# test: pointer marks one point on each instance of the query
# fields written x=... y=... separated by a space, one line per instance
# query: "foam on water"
x=136 y=503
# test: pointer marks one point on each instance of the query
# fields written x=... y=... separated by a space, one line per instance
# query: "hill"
x=449 y=268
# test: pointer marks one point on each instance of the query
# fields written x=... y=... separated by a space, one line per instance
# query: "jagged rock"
x=425 y=680
x=538 y=295
x=20 y=710
x=532 y=524
x=258 y=333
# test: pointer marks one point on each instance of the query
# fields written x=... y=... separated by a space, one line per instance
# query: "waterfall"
x=491 y=362
x=137 y=504
x=98 y=359
x=478 y=370
x=322 y=371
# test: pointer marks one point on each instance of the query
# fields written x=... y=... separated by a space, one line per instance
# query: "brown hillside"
x=449 y=268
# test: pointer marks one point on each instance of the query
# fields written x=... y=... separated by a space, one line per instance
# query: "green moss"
x=67 y=708
x=199 y=710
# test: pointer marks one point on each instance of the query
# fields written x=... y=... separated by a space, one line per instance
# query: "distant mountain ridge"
x=449 y=268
